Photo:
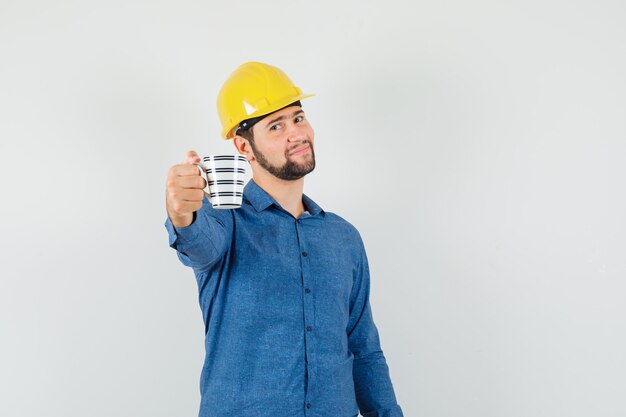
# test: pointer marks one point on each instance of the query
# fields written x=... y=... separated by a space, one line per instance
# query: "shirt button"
x=309 y=328
x=307 y=290
x=308 y=405
x=305 y=254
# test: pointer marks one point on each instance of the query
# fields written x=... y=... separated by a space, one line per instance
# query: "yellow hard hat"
x=252 y=90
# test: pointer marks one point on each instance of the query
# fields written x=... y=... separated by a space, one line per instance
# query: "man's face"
x=283 y=144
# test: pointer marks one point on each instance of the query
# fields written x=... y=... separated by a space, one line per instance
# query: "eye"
x=275 y=127
x=299 y=119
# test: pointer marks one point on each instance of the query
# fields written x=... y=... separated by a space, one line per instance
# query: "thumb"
x=191 y=157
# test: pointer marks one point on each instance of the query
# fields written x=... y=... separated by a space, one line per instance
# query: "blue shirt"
x=285 y=301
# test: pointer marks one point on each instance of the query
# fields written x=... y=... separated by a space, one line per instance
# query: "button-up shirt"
x=288 y=324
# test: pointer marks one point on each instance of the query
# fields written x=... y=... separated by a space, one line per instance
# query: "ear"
x=243 y=147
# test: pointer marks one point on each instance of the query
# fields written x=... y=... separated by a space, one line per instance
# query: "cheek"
x=276 y=151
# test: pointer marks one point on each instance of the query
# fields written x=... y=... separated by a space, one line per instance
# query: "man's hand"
x=184 y=192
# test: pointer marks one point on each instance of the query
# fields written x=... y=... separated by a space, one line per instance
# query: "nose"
x=295 y=133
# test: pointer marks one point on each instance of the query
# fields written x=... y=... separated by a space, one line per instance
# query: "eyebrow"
x=282 y=118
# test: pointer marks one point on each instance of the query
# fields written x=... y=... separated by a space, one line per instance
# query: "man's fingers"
x=185 y=169
x=192 y=181
x=184 y=187
x=188 y=195
x=191 y=157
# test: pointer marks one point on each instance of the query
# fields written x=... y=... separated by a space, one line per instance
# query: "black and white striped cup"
x=225 y=175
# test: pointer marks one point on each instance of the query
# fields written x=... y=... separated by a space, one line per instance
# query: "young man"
x=283 y=284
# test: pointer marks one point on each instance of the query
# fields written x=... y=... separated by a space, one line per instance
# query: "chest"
x=276 y=263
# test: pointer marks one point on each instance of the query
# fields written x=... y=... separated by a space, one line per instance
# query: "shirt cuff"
x=185 y=234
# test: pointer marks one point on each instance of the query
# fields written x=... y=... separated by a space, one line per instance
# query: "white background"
x=478 y=147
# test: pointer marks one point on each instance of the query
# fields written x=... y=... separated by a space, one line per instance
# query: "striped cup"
x=225 y=175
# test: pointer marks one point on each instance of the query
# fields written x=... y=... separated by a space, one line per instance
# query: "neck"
x=287 y=193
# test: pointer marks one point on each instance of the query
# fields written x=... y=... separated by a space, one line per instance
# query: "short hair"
x=246 y=134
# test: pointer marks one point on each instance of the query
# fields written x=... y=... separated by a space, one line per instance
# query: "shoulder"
x=342 y=226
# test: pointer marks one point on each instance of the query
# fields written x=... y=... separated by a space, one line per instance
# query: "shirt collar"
x=261 y=200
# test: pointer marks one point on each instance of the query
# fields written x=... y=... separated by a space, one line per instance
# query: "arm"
x=374 y=390
x=199 y=233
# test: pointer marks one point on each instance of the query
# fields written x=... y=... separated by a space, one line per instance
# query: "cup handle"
x=206 y=191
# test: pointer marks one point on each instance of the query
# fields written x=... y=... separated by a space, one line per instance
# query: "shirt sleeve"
x=374 y=390
x=205 y=240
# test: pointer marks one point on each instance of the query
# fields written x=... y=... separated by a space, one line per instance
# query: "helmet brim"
x=227 y=133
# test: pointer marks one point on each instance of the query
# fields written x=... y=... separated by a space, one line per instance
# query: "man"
x=283 y=284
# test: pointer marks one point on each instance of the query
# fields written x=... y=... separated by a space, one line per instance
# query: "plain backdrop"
x=479 y=147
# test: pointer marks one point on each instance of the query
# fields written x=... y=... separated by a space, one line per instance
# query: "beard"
x=290 y=170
